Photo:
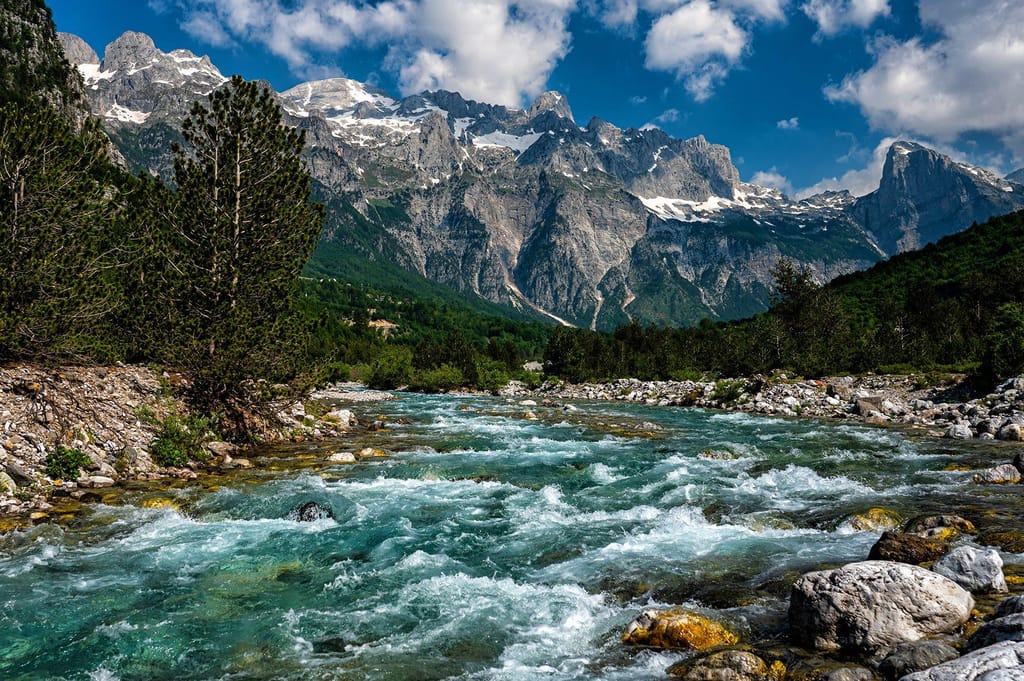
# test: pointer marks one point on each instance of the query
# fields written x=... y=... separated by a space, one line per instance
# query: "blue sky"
x=806 y=93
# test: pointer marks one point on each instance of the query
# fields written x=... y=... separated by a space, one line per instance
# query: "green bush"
x=392 y=369
x=181 y=440
x=65 y=464
x=439 y=380
x=727 y=392
x=492 y=376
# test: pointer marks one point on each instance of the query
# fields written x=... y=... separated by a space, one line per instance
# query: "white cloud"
x=698 y=41
x=832 y=16
x=668 y=116
x=788 y=123
x=859 y=181
x=773 y=178
x=616 y=13
x=969 y=80
x=765 y=9
x=499 y=51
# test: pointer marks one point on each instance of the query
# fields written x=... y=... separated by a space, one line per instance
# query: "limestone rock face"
x=1000 y=662
x=77 y=50
x=864 y=608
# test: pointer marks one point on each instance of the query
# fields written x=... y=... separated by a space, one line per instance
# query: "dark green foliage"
x=955 y=304
x=242 y=229
x=65 y=464
x=61 y=248
x=181 y=440
x=391 y=369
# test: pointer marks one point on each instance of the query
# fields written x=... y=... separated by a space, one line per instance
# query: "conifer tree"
x=59 y=249
x=243 y=228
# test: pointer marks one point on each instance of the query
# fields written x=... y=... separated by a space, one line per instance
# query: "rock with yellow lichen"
x=875 y=520
x=677 y=629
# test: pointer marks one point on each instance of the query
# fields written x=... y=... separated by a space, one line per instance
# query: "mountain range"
x=588 y=225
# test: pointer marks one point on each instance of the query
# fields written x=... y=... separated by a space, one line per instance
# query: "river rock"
x=343 y=418
x=977 y=570
x=677 y=629
x=97 y=481
x=1008 y=628
x=221 y=448
x=914 y=657
x=875 y=519
x=1011 y=432
x=1011 y=606
x=959 y=431
x=864 y=608
x=907 y=548
x=310 y=512
x=999 y=662
x=1007 y=473
x=342 y=457
x=7 y=482
x=728 y=665
x=19 y=474
x=944 y=526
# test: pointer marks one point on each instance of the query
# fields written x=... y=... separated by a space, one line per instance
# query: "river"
x=486 y=546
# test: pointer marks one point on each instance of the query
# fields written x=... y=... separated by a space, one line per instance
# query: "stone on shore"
x=865 y=608
x=677 y=629
x=1011 y=606
x=1000 y=662
x=342 y=457
x=977 y=570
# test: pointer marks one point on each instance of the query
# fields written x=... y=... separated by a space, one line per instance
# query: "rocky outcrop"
x=77 y=50
x=865 y=608
x=1000 y=662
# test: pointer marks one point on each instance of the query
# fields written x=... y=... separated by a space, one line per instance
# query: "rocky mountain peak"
x=924 y=195
x=77 y=50
x=550 y=101
x=132 y=49
x=1016 y=176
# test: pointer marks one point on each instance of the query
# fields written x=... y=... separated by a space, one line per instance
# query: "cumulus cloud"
x=788 y=123
x=859 y=181
x=500 y=51
x=699 y=42
x=668 y=116
x=773 y=178
x=832 y=16
x=969 y=80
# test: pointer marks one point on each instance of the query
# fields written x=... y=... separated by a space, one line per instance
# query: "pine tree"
x=60 y=251
x=243 y=228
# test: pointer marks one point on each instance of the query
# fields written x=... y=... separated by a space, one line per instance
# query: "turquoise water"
x=487 y=546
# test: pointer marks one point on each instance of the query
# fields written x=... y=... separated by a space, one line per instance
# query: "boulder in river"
x=977 y=570
x=907 y=548
x=1011 y=606
x=728 y=665
x=865 y=608
x=310 y=511
x=945 y=526
x=1006 y=473
x=1000 y=662
x=677 y=629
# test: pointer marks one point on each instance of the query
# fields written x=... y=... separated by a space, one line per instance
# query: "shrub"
x=181 y=440
x=393 y=368
x=728 y=392
x=65 y=464
x=439 y=380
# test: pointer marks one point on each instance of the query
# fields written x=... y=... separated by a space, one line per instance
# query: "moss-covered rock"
x=677 y=629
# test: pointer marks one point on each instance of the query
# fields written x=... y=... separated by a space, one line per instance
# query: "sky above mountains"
x=807 y=93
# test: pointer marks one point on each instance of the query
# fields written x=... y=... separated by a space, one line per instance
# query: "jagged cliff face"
x=923 y=193
x=590 y=225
